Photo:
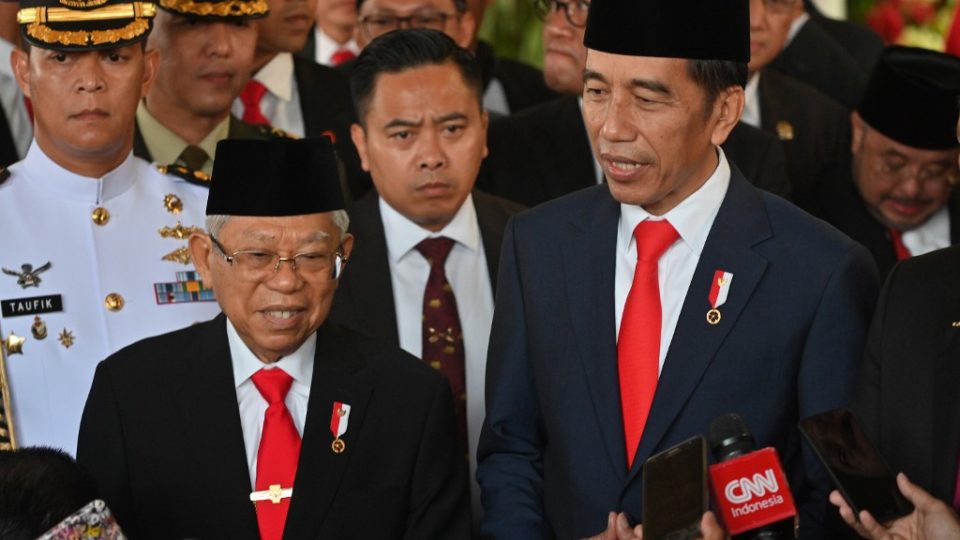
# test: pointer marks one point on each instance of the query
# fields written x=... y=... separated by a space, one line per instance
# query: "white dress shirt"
x=932 y=234
x=751 y=102
x=253 y=406
x=281 y=103
x=325 y=47
x=693 y=219
x=11 y=98
x=467 y=272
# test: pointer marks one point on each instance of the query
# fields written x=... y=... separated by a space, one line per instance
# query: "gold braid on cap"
x=227 y=8
x=82 y=38
x=36 y=18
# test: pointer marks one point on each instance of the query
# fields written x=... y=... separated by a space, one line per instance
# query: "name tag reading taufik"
x=16 y=307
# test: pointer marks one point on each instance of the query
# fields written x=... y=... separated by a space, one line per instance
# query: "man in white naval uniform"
x=93 y=242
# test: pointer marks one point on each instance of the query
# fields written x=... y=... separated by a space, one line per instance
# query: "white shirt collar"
x=326 y=46
x=298 y=365
x=403 y=235
x=277 y=76
x=50 y=176
x=751 y=102
x=795 y=28
x=692 y=218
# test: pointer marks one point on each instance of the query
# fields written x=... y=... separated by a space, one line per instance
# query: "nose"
x=757 y=13
x=91 y=75
x=431 y=156
x=556 y=22
x=218 y=41
x=285 y=277
x=616 y=125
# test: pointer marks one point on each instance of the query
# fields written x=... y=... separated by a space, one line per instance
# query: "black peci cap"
x=912 y=97
x=694 y=29
x=275 y=178
x=84 y=24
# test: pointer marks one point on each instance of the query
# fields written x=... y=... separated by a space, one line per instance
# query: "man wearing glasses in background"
x=901 y=200
x=508 y=85
x=265 y=422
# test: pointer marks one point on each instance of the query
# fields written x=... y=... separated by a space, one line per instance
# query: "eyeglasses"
x=377 y=25
x=256 y=264
x=931 y=174
x=779 y=6
x=574 y=10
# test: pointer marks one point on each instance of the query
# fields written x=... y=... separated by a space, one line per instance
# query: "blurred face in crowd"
x=477 y=10
x=377 y=17
x=337 y=17
x=273 y=310
x=286 y=27
x=422 y=140
x=651 y=128
x=85 y=102
x=564 y=52
x=769 y=25
x=901 y=186
x=203 y=64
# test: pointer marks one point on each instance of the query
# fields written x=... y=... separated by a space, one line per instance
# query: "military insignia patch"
x=187 y=288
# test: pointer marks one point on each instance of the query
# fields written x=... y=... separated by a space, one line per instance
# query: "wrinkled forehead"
x=401 y=7
x=266 y=231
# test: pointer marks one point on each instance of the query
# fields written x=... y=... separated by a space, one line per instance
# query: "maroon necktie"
x=896 y=237
x=638 y=347
x=342 y=55
x=278 y=453
x=250 y=96
x=442 y=335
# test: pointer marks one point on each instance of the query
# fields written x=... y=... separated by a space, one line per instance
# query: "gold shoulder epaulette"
x=198 y=178
x=270 y=131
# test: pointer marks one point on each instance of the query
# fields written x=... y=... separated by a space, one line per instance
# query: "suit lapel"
x=492 y=223
x=320 y=470
x=740 y=224
x=946 y=412
x=589 y=264
x=207 y=399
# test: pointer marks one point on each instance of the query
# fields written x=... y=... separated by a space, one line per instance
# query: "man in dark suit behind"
x=422 y=136
x=898 y=198
x=726 y=299
x=543 y=152
x=266 y=418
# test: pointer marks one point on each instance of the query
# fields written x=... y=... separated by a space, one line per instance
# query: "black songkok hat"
x=275 y=178
x=226 y=10
x=694 y=29
x=79 y=25
x=912 y=97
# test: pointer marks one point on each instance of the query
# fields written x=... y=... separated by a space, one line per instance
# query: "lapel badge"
x=955 y=324
x=27 y=277
x=66 y=338
x=274 y=494
x=719 y=289
x=338 y=426
x=784 y=130
x=180 y=255
x=39 y=328
x=178 y=232
x=172 y=203
x=14 y=344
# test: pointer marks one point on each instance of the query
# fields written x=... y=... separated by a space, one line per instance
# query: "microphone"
x=749 y=485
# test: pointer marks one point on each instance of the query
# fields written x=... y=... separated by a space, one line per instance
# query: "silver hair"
x=214 y=223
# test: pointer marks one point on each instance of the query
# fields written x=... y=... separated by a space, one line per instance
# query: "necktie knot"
x=899 y=248
x=193 y=157
x=436 y=250
x=653 y=238
x=273 y=384
x=342 y=55
x=250 y=96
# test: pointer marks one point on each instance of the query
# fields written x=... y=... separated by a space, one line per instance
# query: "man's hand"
x=930 y=520
x=618 y=528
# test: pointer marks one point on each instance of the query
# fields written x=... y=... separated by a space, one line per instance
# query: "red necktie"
x=250 y=96
x=341 y=56
x=638 y=349
x=442 y=336
x=896 y=237
x=278 y=453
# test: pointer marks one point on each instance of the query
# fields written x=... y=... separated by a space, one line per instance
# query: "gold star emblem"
x=172 y=203
x=66 y=338
x=14 y=343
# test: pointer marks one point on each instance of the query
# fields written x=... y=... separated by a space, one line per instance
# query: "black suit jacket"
x=543 y=153
x=860 y=42
x=364 y=297
x=907 y=397
x=523 y=84
x=814 y=130
x=161 y=435
x=327 y=108
x=814 y=57
x=840 y=204
x=237 y=129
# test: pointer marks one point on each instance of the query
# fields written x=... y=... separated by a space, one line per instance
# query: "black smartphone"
x=675 y=491
x=856 y=466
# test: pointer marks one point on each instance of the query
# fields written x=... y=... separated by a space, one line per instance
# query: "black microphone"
x=749 y=485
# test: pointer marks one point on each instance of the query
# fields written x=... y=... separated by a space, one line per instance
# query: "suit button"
x=100 y=216
x=114 y=302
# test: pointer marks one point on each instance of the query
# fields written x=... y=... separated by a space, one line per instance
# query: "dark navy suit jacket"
x=552 y=461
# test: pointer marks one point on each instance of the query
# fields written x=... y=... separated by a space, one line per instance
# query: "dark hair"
x=401 y=50
x=459 y=5
x=39 y=487
x=715 y=76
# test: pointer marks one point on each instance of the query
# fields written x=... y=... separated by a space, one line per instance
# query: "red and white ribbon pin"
x=338 y=425
x=719 y=290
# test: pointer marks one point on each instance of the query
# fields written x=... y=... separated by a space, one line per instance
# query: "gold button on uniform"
x=114 y=302
x=100 y=216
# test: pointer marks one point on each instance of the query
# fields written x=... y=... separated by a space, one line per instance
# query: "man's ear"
x=856 y=132
x=727 y=109
x=359 y=138
x=200 y=250
x=151 y=65
x=20 y=62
